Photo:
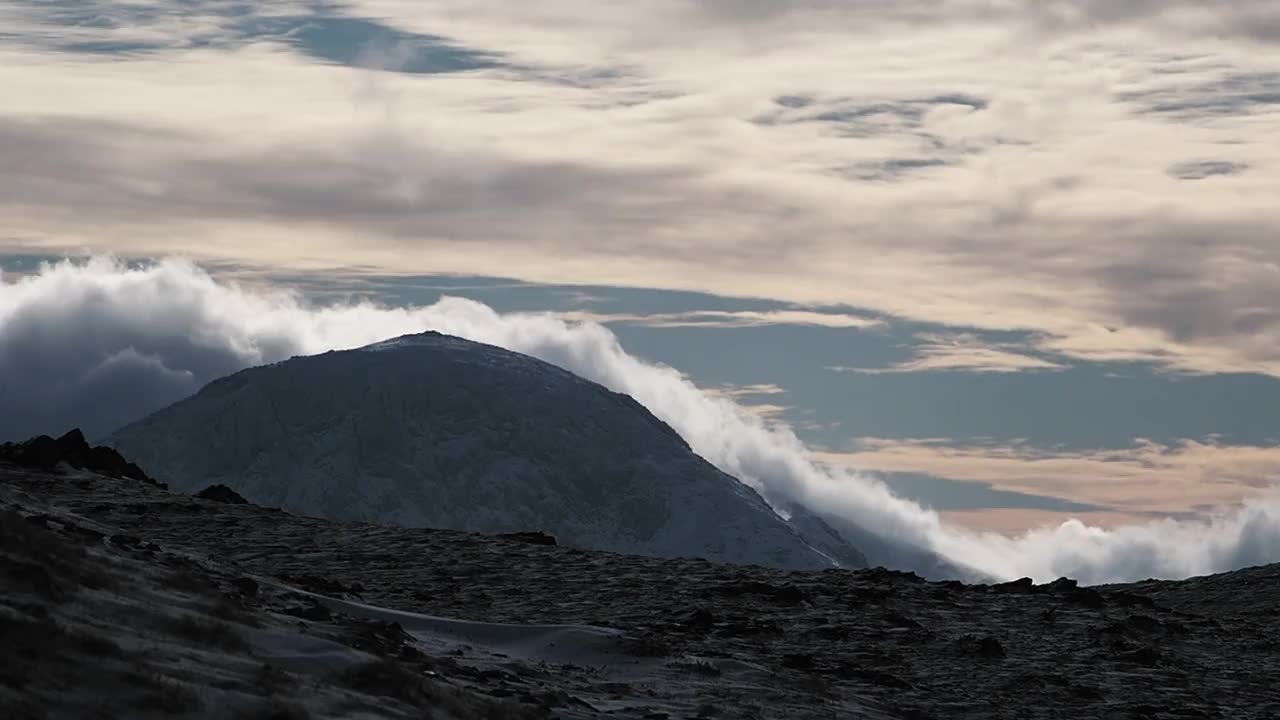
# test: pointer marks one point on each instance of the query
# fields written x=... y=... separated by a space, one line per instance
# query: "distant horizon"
x=965 y=467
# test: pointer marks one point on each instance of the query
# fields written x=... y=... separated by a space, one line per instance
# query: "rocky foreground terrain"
x=123 y=600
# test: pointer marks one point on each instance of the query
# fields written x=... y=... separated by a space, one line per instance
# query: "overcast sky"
x=1023 y=258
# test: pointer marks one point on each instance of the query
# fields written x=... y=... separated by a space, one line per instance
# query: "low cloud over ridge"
x=99 y=343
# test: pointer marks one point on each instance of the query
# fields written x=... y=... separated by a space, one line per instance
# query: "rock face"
x=46 y=453
x=434 y=431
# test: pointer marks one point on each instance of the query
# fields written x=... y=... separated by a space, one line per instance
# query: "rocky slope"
x=324 y=619
x=434 y=431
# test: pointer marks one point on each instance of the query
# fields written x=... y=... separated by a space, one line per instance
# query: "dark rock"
x=878 y=677
x=223 y=494
x=314 y=612
x=789 y=595
x=1087 y=597
x=948 y=586
x=20 y=575
x=38 y=452
x=985 y=646
x=46 y=453
x=322 y=585
x=1062 y=584
x=899 y=620
x=1128 y=599
x=41 y=520
x=747 y=627
x=700 y=619
x=247 y=587
x=798 y=661
x=530 y=538
x=990 y=647
x=831 y=633
x=1144 y=655
x=86 y=533
x=1021 y=585
x=781 y=594
x=1143 y=623
x=884 y=573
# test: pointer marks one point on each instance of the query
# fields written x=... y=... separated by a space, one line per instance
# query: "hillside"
x=435 y=431
x=124 y=600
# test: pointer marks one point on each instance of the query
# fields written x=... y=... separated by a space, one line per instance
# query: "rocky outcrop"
x=47 y=453
x=223 y=494
x=529 y=538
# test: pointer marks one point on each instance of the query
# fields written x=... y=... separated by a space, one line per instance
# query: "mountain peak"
x=433 y=430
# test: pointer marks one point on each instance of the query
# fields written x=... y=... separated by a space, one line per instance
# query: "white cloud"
x=961 y=352
x=730 y=318
x=1012 y=165
x=65 y=330
x=1148 y=477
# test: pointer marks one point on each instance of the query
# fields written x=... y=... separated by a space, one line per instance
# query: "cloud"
x=1148 y=477
x=1201 y=169
x=751 y=399
x=732 y=318
x=1003 y=166
x=148 y=334
x=961 y=352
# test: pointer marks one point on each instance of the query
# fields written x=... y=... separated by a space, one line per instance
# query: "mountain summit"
x=431 y=430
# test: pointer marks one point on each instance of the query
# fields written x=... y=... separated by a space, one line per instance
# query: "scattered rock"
x=899 y=620
x=529 y=538
x=1145 y=655
x=247 y=587
x=798 y=661
x=323 y=585
x=1025 y=653
x=223 y=494
x=831 y=633
x=781 y=594
x=700 y=619
x=748 y=627
x=121 y=540
x=314 y=612
x=878 y=677
x=986 y=646
x=1060 y=585
x=1087 y=597
x=1021 y=585
x=1128 y=599
x=990 y=647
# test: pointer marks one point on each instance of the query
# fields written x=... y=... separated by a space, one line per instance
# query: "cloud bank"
x=100 y=343
x=1099 y=173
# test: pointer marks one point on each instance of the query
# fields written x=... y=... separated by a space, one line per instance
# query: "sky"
x=1019 y=260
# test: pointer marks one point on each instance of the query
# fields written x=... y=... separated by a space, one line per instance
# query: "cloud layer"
x=97 y=343
x=1099 y=173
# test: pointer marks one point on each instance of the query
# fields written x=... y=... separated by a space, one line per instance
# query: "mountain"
x=434 y=431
